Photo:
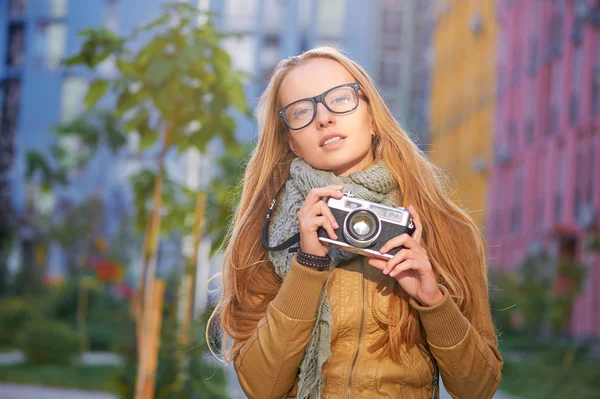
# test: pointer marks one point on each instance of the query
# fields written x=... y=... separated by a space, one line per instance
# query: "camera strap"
x=265 y=231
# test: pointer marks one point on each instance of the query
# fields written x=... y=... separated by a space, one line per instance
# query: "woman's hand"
x=314 y=214
x=411 y=266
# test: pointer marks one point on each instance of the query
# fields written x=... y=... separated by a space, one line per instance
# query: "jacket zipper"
x=436 y=380
x=360 y=329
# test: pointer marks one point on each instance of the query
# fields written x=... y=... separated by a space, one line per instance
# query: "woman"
x=327 y=323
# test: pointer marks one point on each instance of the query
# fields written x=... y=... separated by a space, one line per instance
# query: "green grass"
x=88 y=378
x=552 y=372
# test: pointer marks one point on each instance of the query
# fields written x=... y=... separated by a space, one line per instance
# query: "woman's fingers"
x=312 y=224
x=316 y=194
x=402 y=240
x=409 y=264
x=321 y=208
x=418 y=225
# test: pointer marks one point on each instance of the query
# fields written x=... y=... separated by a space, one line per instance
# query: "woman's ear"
x=293 y=146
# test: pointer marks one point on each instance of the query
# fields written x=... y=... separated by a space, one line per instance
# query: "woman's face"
x=317 y=143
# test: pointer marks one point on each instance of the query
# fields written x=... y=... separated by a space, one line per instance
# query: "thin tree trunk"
x=146 y=352
x=153 y=337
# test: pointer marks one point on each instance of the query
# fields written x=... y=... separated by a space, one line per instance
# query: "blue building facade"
x=37 y=91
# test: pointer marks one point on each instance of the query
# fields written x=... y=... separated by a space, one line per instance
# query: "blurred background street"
x=125 y=124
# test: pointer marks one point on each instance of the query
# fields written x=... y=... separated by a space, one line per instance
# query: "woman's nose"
x=324 y=117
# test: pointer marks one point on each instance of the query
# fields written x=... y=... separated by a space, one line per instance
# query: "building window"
x=111 y=15
x=240 y=15
x=8 y=121
x=555 y=35
x=515 y=217
x=274 y=14
x=580 y=177
x=73 y=94
x=596 y=79
x=541 y=185
x=330 y=20
x=576 y=85
x=17 y=7
x=49 y=44
x=555 y=103
x=242 y=52
x=269 y=57
x=560 y=187
x=58 y=8
x=390 y=70
x=592 y=171
x=531 y=111
x=16 y=45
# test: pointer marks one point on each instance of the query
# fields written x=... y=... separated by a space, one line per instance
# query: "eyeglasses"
x=339 y=100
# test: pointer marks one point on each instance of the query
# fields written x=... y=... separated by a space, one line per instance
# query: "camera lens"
x=362 y=227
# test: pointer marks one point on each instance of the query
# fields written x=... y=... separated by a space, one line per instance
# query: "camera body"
x=366 y=226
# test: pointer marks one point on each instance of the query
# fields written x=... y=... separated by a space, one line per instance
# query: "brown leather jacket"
x=465 y=350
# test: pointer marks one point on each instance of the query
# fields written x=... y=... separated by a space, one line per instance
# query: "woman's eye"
x=301 y=113
x=341 y=100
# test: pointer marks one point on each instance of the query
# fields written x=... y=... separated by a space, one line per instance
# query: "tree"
x=175 y=93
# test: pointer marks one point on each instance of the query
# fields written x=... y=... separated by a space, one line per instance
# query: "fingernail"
x=337 y=226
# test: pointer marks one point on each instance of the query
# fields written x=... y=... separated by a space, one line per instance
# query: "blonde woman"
x=324 y=323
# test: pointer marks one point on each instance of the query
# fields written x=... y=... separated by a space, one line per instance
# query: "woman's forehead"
x=312 y=78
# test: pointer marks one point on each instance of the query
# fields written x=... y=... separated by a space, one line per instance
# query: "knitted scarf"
x=374 y=184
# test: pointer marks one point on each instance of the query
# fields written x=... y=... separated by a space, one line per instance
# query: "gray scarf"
x=374 y=184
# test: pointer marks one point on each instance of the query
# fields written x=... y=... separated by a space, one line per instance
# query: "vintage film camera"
x=366 y=226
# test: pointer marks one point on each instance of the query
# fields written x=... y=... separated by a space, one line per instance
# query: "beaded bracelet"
x=314 y=261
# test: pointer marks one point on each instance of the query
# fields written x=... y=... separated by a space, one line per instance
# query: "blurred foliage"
x=109 y=322
x=48 y=342
x=593 y=242
x=6 y=241
x=14 y=314
x=75 y=376
x=537 y=298
x=203 y=378
x=77 y=141
x=174 y=92
x=550 y=371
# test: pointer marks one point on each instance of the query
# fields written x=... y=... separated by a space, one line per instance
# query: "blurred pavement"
x=14 y=391
x=89 y=358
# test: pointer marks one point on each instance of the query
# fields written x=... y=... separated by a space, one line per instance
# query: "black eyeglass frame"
x=320 y=99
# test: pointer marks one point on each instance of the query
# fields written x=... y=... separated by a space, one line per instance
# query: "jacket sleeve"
x=466 y=350
x=267 y=364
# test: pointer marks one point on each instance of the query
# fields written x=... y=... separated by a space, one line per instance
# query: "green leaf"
x=158 y=71
x=153 y=24
x=148 y=136
x=128 y=100
x=127 y=68
x=96 y=90
x=36 y=162
x=151 y=50
x=227 y=130
x=138 y=121
x=221 y=61
x=237 y=97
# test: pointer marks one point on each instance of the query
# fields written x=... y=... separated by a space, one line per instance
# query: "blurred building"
x=389 y=38
x=403 y=55
x=463 y=97
x=545 y=178
x=36 y=93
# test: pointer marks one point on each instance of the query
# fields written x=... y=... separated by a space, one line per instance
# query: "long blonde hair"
x=451 y=238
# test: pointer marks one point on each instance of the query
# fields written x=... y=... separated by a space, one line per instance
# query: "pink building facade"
x=545 y=176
